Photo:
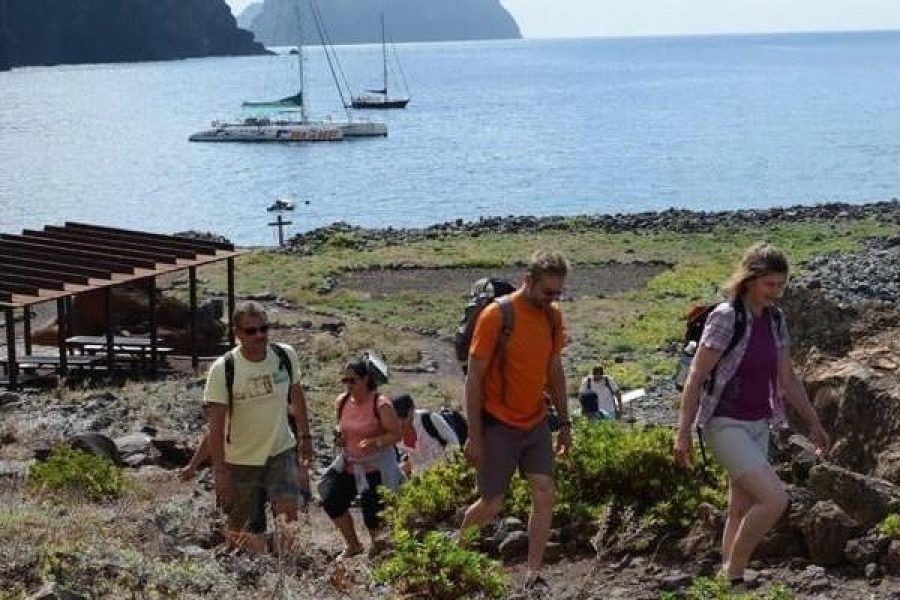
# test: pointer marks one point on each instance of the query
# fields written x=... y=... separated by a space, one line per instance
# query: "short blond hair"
x=759 y=260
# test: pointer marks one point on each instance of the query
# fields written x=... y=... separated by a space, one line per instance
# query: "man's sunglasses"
x=255 y=330
x=349 y=380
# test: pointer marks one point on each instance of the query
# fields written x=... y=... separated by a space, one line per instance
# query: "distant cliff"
x=48 y=32
x=245 y=19
x=4 y=39
x=357 y=21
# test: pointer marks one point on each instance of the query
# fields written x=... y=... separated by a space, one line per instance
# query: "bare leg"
x=247 y=541
x=542 y=497
x=344 y=524
x=769 y=502
x=481 y=512
x=739 y=502
x=285 y=512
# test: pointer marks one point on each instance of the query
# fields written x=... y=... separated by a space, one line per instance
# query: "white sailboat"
x=289 y=120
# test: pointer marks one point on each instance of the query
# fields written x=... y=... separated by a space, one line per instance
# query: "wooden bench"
x=36 y=361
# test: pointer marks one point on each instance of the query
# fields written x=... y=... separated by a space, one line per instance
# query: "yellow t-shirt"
x=259 y=423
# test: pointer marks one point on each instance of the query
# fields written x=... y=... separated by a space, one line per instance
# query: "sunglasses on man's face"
x=349 y=380
x=255 y=330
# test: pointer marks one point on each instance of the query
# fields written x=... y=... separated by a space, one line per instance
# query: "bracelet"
x=306 y=436
x=566 y=423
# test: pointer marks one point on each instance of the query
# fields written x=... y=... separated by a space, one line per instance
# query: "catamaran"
x=380 y=98
x=287 y=120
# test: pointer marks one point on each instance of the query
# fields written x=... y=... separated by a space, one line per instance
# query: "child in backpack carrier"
x=427 y=436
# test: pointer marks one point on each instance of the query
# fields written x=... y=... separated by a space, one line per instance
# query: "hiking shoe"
x=536 y=583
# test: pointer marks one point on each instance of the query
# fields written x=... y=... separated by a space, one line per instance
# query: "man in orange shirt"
x=509 y=369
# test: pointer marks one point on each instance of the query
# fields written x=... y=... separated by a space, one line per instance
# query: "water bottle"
x=684 y=364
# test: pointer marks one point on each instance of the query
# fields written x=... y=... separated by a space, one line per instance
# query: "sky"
x=590 y=18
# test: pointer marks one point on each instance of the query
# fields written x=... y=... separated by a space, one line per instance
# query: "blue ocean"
x=494 y=128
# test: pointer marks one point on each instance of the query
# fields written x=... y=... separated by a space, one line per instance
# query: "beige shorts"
x=741 y=446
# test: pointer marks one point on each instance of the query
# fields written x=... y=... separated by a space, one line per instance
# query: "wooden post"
x=12 y=369
x=61 y=335
x=154 y=341
x=110 y=334
x=192 y=284
x=26 y=329
x=231 y=304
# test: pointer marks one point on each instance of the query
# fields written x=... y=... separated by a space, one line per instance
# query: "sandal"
x=349 y=553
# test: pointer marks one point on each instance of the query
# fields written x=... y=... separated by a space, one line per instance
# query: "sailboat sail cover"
x=295 y=100
x=381 y=91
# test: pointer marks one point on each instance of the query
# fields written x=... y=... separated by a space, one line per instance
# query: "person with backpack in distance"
x=250 y=443
x=514 y=356
x=366 y=431
x=600 y=396
x=741 y=371
x=426 y=436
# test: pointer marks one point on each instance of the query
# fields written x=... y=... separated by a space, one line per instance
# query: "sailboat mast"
x=384 y=56
x=300 y=67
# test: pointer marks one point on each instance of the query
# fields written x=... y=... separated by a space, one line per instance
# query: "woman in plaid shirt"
x=733 y=396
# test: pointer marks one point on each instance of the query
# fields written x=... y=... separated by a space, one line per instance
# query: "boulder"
x=865 y=550
x=888 y=465
x=785 y=540
x=97 y=444
x=514 y=546
x=891 y=558
x=826 y=531
x=866 y=499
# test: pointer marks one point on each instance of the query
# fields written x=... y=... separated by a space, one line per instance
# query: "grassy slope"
x=635 y=326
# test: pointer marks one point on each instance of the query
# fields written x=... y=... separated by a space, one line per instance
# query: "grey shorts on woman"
x=741 y=446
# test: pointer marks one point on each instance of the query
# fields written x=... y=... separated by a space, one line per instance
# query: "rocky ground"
x=846 y=326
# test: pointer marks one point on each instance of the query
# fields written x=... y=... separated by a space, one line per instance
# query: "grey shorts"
x=741 y=446
x=506 y=448
x=278 y=478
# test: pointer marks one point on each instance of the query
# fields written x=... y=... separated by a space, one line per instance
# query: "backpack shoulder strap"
x=229 y=387
x=428 y=424
x=740 y=325
x=608 y=385
x=509 y=318
x=284 y=363
x=340 y=407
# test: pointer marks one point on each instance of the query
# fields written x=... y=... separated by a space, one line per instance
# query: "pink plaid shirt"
x=717 y=335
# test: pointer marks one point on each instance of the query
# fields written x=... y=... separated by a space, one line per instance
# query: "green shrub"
x=719 y=589
x=66 y=468
x=436 y=567
x=633 y=466
x=890 y=527
x=432 y=496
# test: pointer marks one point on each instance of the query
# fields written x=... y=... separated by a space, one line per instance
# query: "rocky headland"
x=279 y=22
x=42 y=32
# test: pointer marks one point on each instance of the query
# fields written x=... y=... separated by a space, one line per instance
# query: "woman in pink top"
x=733 y=392
x=367 y=429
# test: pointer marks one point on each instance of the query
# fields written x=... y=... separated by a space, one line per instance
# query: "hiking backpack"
x=484 y=291
x=696 y=321
x=284 y=363
x=454 y=419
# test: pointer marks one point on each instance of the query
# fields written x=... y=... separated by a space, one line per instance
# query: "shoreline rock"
x=672 y=220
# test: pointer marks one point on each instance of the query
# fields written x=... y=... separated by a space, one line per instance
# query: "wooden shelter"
x=58 y=263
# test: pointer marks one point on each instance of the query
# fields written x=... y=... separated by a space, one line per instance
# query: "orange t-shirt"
x=529 y=348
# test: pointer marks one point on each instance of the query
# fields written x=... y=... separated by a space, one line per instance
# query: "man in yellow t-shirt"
x=251 y=445
x=505 y=402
